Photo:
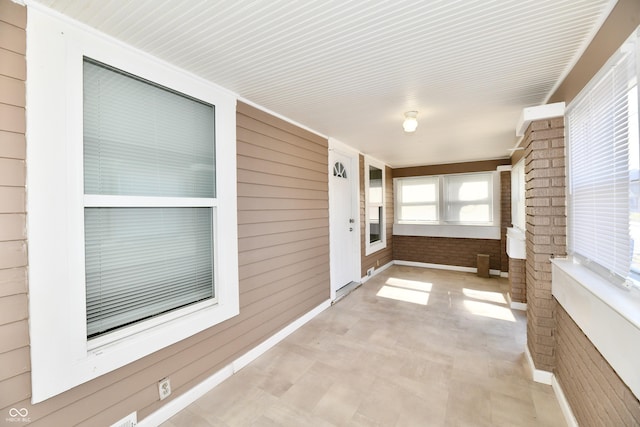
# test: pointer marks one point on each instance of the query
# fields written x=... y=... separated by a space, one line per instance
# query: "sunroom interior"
x=356 y=213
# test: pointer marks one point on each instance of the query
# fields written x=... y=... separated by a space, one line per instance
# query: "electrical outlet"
x=370 y=272
x=164 y=388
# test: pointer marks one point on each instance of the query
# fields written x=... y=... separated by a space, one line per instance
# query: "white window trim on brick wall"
x=605 y=311
x=469 y=231
x=608 y=315
x=61 y=355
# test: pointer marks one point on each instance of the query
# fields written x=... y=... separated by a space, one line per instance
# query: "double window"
x=464 y=199
x=132 y=195
x=149 y=197
x=603 y=169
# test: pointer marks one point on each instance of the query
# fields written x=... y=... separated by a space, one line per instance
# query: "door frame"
x=354 y=167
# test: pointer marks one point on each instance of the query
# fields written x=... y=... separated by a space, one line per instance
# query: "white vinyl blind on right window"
x=603 y=164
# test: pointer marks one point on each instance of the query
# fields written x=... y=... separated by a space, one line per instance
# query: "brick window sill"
x=607 y=314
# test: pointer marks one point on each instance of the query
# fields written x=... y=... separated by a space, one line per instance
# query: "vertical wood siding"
x=14 y=335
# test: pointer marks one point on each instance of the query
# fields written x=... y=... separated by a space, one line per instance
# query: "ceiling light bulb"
x=410 y=121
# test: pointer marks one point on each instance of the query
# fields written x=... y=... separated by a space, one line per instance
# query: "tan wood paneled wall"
x=283 y=231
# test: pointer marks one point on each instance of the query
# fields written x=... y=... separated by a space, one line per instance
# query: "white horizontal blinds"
x=469 y=198
x=141 y=262
x=418 y=199
x=599 y=167
x=143 y=141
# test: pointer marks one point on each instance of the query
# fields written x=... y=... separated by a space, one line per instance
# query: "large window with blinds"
x=603 y=168
x=150 y=199
x=133 y=235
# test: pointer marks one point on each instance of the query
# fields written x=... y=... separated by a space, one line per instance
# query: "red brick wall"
x=460 y=252
x=546 y=232
x=517 y=280
x=505 y=217
x=596 y=394
x=446 y=250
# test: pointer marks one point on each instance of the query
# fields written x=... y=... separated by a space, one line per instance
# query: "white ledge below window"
x=444 y=230
x=607 y=314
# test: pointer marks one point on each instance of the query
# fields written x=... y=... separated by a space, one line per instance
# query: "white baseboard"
x=187 y=398
x=546 y=377
x=257 y=351
x=504 y=274
x=444 y=267
x=377 y=271
x=564 y=403
x=539 y=376
x=436 y=266
x=516 y=305
x=181 y=402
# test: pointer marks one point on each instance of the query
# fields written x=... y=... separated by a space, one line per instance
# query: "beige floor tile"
x=371 y=360
x=468 y=404
x=382 y=404
x=510 y=411
x=339 y=404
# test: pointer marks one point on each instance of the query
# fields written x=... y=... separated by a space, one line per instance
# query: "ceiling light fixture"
x=410 y=121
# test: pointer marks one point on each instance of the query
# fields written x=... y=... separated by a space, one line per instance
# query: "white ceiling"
x=349 y=69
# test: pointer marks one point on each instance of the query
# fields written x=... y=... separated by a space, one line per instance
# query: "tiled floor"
x=410 y=347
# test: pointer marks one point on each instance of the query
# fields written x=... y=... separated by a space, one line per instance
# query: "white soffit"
x=350 y=69
x=541 y=112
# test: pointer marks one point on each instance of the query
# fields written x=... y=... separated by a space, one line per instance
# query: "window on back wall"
x=417 y=199
x=462 y=199
x=604 y=161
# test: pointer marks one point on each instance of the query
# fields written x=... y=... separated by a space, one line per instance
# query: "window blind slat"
x=144 y=140
x=145 y=257
x=600 y=166
x=141 y=139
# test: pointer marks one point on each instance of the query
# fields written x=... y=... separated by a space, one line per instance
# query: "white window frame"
x=444 y=228
x=605 y=249
x=447 y=202
x=518 y=202
x=397 y=191
x=608 y=314
x=61 y=355
x=372 y=247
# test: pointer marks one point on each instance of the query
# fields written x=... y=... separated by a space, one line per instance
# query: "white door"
x=343 y=222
